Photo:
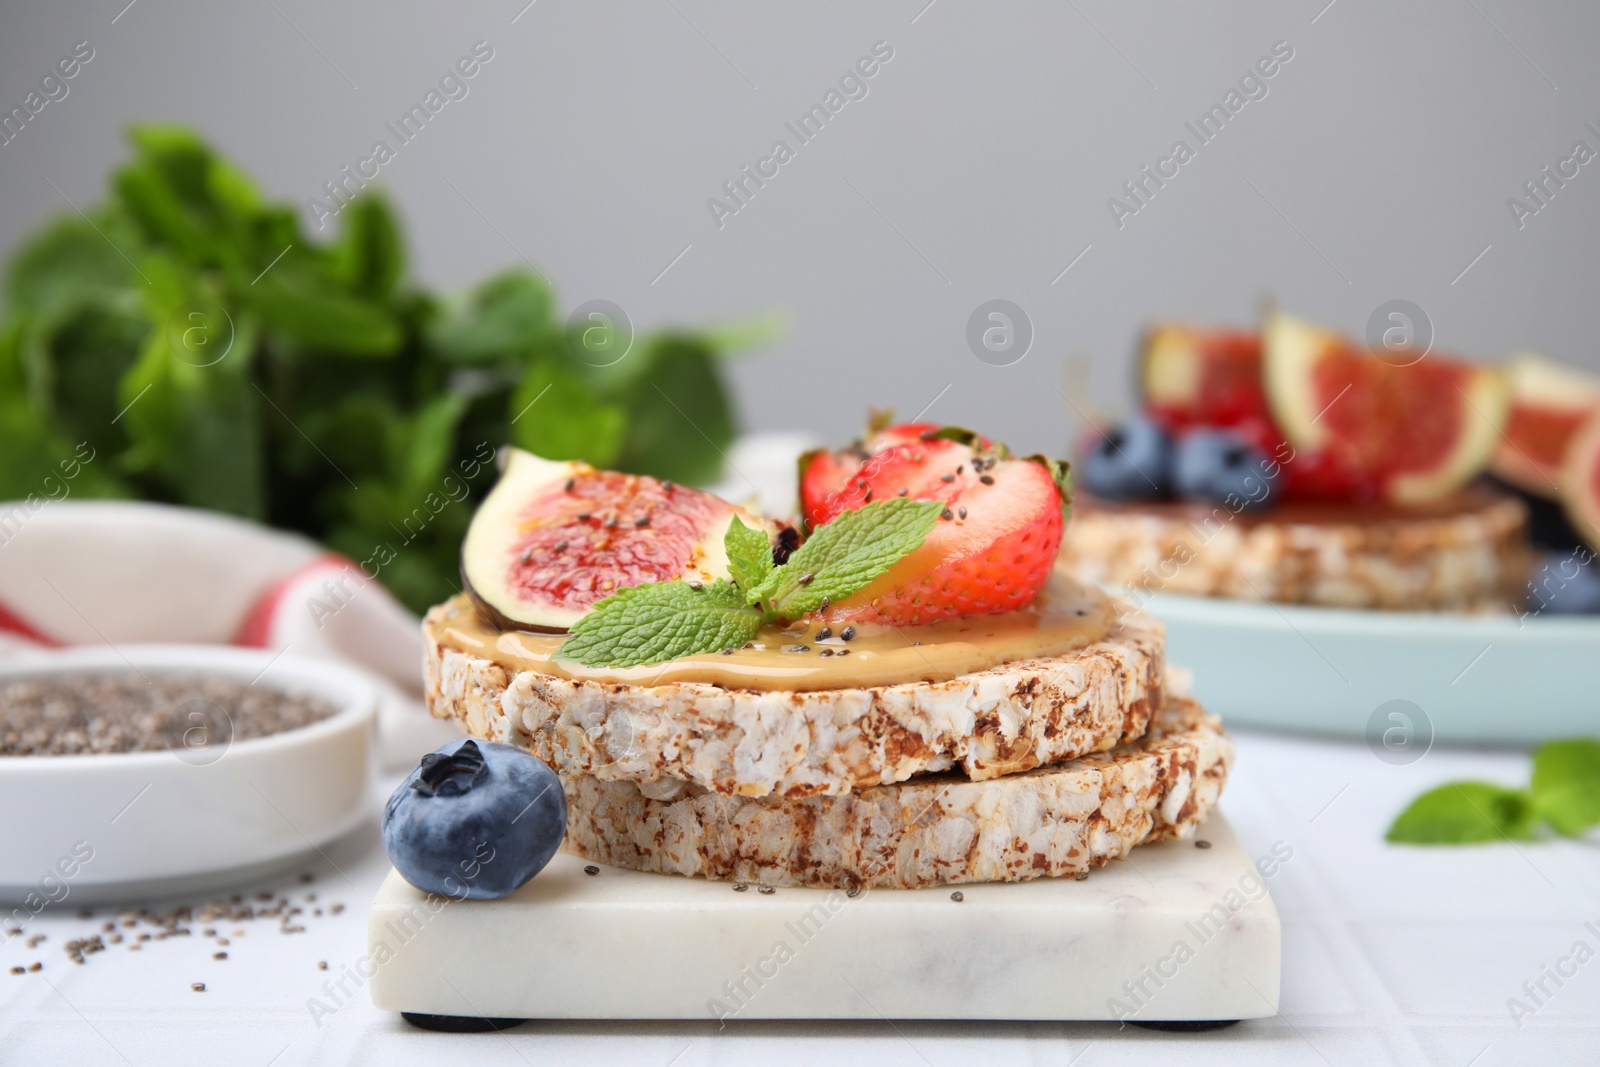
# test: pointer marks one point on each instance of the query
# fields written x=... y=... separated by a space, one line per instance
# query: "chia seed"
x=570 y=483
x=961 y=513
x=847 y=634
x=765 y=890
x=119 y=711
x=808 y=577
x=1202 y=844
x=561 y=546
x=947 y=477
x=741 y=888
x=946 y=515
x=986 y=479
x=824 y=633
x=591 y=869
x=958 y=896
x=642 y=520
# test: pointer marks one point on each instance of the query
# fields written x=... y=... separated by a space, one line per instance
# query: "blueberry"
x=1564 y=583
x=1220 y=466
x=475 y=821
x=1130 y=462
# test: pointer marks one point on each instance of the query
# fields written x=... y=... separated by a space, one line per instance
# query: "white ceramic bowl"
x=138 y=825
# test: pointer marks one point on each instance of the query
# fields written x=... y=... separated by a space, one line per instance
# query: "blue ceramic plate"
x=1400 y=679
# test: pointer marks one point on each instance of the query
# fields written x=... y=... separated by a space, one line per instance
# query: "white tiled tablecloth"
x=1390 y=955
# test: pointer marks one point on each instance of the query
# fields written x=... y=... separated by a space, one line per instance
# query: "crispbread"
x=932 y=830
x=1472 y=559
x=742 y=742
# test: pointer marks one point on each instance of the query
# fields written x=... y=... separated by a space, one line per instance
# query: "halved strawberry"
x=991 y=552
x=825 y=477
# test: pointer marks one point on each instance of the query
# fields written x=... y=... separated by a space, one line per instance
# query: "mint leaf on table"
x=749 y=557
x=843 y=555
x=1462 y=813
x=1566 y=785
x=647 y=624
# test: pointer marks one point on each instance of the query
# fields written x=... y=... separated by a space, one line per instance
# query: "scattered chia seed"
x=765 y=890
x=847 y=634
x=808 y=577
x=561 y=546
x=35 y=966
x=642 y=520
x=695 y=586
x=119 y=711
x=797 y=648
x=219 y=955
x=1202 y=844
x=19 y=970
x=322 y=965
x=826 y=652
x=741 y=888
x=824 y=633
x=961 y=513
x=946 y=515
x=958 y=896
x=825 y=605
x=842 y=652
x=198 y=987
x=591 y=869
x=1081 y=876
x=853 y=891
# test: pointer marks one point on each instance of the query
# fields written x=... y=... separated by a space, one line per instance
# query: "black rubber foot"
x=1187 y=1026
x=458 y=1024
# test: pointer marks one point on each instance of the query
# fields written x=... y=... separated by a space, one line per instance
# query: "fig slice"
x=1202 y=376
x=1419 y=432
x=1580 y=480
x=1549 y=402
x=552 y=538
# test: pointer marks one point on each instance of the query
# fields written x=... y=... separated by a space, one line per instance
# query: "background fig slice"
x=1420 y=431
x=552 y=538
x=1549 y=402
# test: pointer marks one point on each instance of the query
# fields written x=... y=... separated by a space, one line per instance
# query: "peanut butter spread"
x=815 y=655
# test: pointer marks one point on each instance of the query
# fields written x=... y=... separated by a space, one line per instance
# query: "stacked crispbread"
x=1034 y=768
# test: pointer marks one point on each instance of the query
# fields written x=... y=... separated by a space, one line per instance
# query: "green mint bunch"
x=1564 y=795
x=662 y=621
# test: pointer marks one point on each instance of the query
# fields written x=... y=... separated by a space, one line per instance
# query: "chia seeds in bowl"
x=107 y=712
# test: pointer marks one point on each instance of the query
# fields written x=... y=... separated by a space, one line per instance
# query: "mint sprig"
x=844 y=555
x=653 y=623
x=1564 y=794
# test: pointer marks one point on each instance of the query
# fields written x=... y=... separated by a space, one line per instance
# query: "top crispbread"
x=742 y=742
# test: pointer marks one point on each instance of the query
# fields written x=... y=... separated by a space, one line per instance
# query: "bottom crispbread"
x=932 y=830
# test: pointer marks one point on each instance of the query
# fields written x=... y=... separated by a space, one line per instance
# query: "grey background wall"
x=978 y=165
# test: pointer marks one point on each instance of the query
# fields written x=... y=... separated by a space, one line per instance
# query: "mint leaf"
x=1465 y=813
x=845 y=554
x=646 y=624
x=1566 y=785
x=749 y=557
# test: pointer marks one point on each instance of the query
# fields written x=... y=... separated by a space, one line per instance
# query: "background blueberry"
x=1220 y=466
x=1563 y=584
x=1130 y=462
x=475 y=821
